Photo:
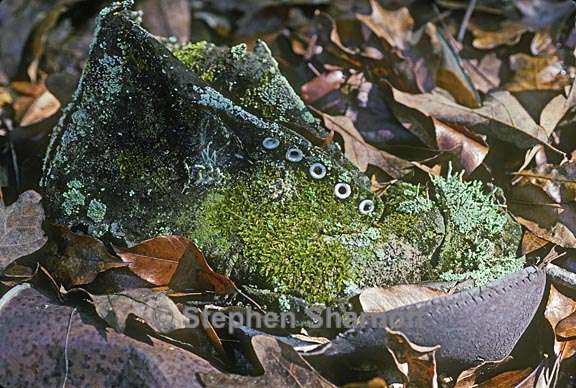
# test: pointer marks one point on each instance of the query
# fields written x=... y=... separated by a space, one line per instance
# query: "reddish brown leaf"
x=193 y=272
x=43 y=107
x=470 y=148
x=155 y=260
x=531 y=242
x=508 y=32
x=362 y=154
x=322 y=85
x=394 y=27
x=485 y=74
x=566 y=328
x=21 y=228
x=536 y=73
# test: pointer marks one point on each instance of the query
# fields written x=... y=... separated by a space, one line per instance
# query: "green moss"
x=287 y=226
x=252 y=78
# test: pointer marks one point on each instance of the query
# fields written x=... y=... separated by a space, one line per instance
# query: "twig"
x=66 y=361
x=561 y=276
x=466 y=20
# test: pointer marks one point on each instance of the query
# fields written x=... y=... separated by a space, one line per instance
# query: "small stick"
x=561 y=276
x=466 y=20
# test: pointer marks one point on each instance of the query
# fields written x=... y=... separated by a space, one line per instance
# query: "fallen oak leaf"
x=362 y=154
x=543 y=201
x=155 y=308
x=155 y=260
x=21 y=228
x=501 y=116
x=508 y=33
x=566 y=328
x=393 y=27
x=536 y=73
x=43 y=107
x=194 y=272
x=554 y=112
x=281 y=366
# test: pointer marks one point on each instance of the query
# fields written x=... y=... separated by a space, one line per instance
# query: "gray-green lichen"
x=147 y=147
x=96 y=211
x=73 y=198
x=479 y=242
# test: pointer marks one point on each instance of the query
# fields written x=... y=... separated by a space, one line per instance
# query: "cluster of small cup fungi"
x=318 y=171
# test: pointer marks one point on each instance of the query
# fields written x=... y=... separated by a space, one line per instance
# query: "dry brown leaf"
x=531 y=242
x=417 y=363
x=155 y=260
x=21 y=228
x=164 y=18
x=560 y=311
x=536 y=73
x=501 y=116
x=378 y=299
x=470 y=148
x=508 y=33
x=485 y=74
x=81 y=259
x=394 y=27
x=193 y=272
x=566 y=328
x=452 y=77
x=320 y=86
x=544 y=201
x=362 y=154
x=155 y=308
x=554 y=112
x=467 y=378
x=281 y=365
x=43 y=107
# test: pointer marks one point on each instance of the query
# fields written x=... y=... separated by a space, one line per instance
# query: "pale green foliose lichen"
x=96 y=211
x=478 y=244
x=73 y=197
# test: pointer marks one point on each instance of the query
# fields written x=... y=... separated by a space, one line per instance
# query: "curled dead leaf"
x=456 y=139
x=417 y=363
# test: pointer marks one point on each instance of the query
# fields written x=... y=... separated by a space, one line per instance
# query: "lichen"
x=96 y=211
x=475 y=246
x=73 y=198
x=254 y=79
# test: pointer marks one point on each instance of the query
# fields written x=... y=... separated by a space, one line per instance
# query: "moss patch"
x=285 y=224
